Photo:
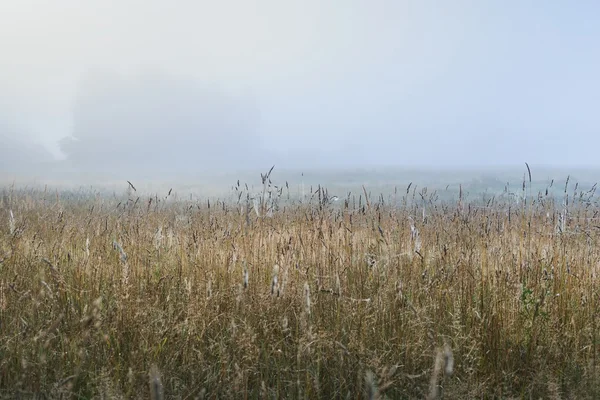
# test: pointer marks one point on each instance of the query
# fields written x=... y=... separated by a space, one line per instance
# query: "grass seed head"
x=274 y=286
x=307 y=302
x=338 y=285
x=156 y=387
x=371 y=389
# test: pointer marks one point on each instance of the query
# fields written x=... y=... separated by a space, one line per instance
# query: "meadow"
x=266 y=295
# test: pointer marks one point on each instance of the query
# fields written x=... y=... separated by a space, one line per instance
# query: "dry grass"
x=153 y=299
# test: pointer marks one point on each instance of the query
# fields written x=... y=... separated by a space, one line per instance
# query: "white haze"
x=196 y=85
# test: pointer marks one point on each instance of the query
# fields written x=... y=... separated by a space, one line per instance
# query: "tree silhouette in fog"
x=17 y=152
x=159 y=123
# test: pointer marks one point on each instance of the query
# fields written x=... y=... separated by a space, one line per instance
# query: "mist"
x=19 y=152
x=159 y=124
x=140 y=88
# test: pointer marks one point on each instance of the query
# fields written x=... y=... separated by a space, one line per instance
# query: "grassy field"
x=399 y=296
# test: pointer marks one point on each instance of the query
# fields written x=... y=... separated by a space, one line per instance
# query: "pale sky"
x=350 y=82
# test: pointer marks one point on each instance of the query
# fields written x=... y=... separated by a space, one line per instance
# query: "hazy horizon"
x=142 y=87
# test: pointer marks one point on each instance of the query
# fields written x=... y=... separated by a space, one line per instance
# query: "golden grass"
x=314 y=302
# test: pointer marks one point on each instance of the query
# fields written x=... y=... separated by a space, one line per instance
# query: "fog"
x=18 y=151
x=158 y=123
x=135 y=86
